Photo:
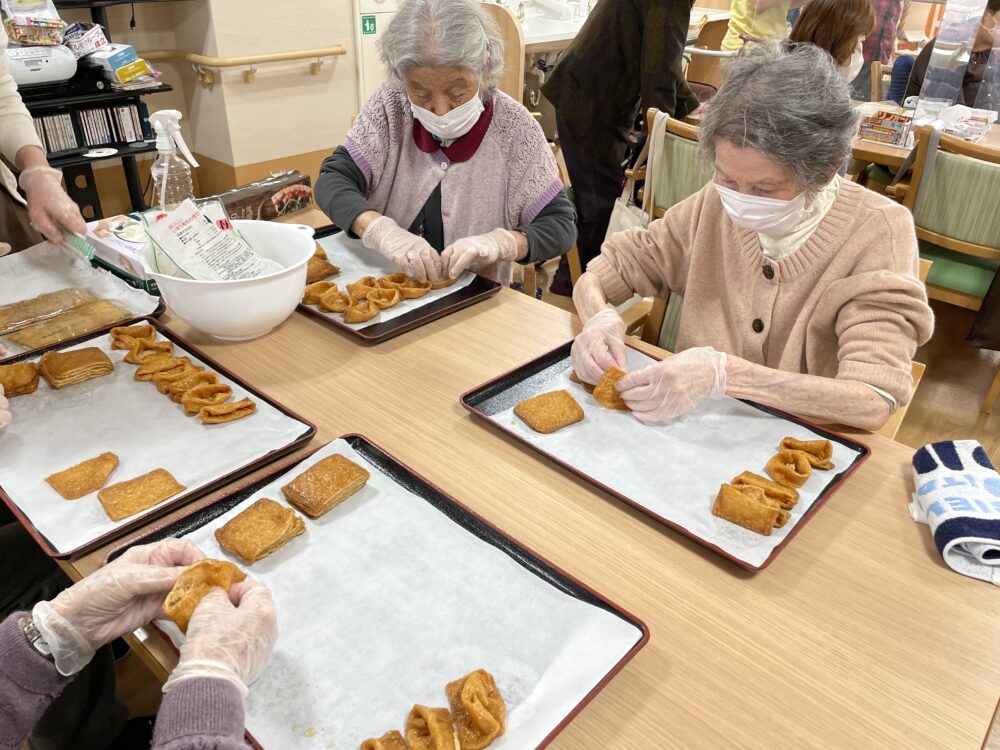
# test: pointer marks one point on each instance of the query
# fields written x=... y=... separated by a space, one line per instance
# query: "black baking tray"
x=530 y=379
x=478 y=290
x=454 y=510
x=309 y=430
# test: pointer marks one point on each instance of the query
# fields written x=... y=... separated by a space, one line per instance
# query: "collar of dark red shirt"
x=462 y=148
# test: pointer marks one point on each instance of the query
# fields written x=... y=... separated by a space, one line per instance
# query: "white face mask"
x=851 y=70
x=771 y=216
x=455 y=123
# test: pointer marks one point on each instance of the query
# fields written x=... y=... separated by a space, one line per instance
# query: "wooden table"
x=856 y=637
x=893 y=156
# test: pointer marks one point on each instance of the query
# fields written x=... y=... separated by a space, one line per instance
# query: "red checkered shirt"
x=879 y=45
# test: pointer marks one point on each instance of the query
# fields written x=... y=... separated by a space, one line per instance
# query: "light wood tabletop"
x=857 y=636
x=893 y=156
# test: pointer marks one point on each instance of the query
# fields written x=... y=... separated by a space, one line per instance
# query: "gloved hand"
x=412 y=254
x=600 y=346
x=229 y=637
x=49 y=208
x=4 y=405
x=112 y=601
x=674 y=386
x=4 y=249
x=478 y=251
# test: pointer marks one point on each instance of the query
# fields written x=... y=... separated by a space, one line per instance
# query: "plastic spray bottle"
x=171 y=174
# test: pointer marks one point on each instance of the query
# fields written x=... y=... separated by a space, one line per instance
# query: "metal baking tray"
x=397 y=507
x=667 y=484
x=83 y=421
x=46 y=268
x=421 y=314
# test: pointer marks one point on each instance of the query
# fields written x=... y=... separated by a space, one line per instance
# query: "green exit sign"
x=367 y=24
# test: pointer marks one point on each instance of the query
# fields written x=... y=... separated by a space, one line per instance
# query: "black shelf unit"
x=77 y=169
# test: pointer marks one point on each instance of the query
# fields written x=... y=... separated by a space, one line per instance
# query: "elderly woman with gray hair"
x=800 y=288
x=442 y=172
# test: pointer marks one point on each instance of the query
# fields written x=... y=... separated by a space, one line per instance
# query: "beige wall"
x=286 y=115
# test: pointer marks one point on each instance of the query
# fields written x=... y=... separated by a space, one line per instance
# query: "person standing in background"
x=757 y=19
x=879 y=45
x=48 y=206
x=626 y=59
x=838 y=26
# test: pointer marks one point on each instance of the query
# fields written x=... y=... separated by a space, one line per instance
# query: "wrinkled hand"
x=4 y=405
x=229 y=637
x=411 y=253
x=673 y=387
x=49 y=208
x=600 y=346
x=112 y=601
x=478 y=251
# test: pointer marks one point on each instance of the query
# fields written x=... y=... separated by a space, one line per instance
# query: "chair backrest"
x=512 y=78
x=680 y=172
x=956 y=203
x=708 y=69
x=881 y=78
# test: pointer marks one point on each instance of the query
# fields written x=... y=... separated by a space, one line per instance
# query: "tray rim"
x=493 y=287
x=610 y=605
x=832 y=487
x=171 y=503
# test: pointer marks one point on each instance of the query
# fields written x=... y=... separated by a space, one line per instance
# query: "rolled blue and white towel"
x=958 y=496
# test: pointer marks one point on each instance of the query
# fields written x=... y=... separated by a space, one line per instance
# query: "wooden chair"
x=681 y=174
x=512 y=84
x=705 y=58
x=955 y=207
x=881 y=75
x=512 y=78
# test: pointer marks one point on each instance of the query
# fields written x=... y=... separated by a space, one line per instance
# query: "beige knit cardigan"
x=847 y=304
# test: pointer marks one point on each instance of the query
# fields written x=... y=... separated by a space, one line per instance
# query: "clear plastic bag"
x=18 y=315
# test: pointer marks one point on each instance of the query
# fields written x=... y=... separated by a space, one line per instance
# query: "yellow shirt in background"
x=743 y=19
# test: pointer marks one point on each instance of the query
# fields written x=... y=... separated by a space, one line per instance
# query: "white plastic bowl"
x=246 y=309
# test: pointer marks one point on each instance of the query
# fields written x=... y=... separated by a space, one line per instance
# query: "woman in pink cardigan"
x=800 y=288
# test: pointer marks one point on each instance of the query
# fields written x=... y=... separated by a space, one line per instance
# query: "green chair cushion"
x=959 y=272
x=681 y=172
x=960 y=198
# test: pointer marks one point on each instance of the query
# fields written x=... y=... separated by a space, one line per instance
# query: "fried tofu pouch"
x=430 y=729
x=818 y=452
x=263 y=528
x=193 y=583
x=549 y=412
x=605 y=392
x=84 y=478
x=391 y=740
x=325 y=485
x=747 y=511
x=478 y=709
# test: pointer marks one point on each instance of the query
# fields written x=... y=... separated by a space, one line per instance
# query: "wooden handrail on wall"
x=203 y=63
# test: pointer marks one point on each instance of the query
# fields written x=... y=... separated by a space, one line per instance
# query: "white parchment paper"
x=46 y=268
x=675 y=469
x=53 y=430
x=384 y=600
x=356 y=261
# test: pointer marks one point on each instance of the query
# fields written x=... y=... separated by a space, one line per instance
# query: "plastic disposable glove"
x=4 y=406
x=112 y=601
x=478 y=251
x=229 y=637
x=674 y=386
x=600 y=346
x=49 y=208
x=411 y=253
